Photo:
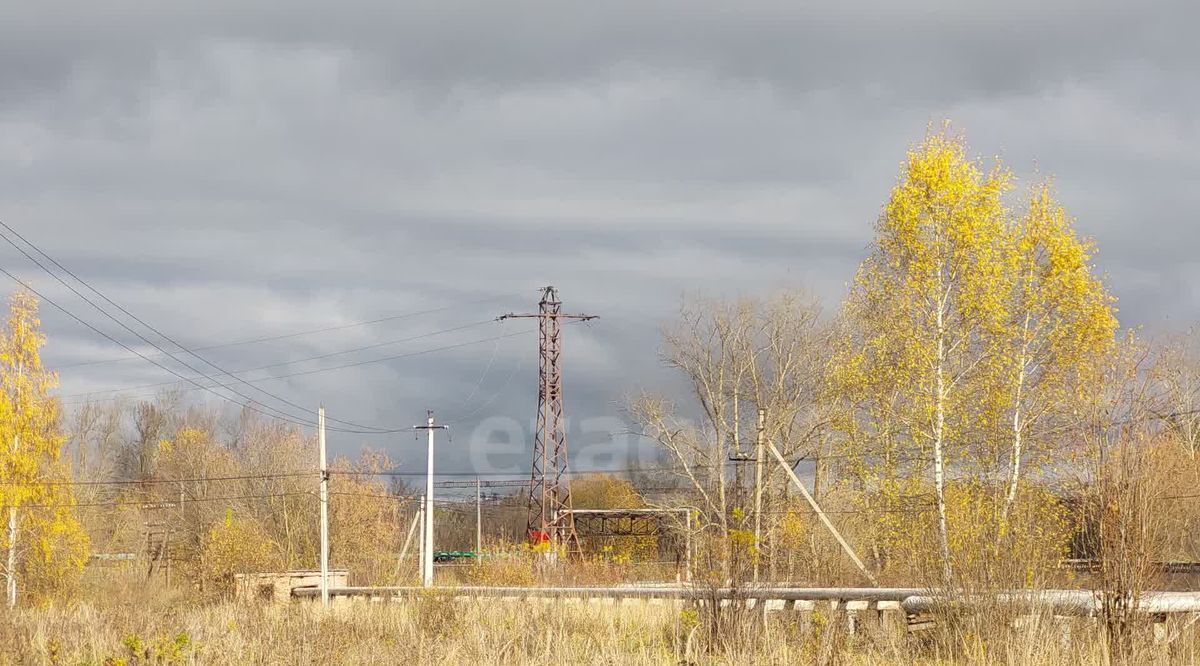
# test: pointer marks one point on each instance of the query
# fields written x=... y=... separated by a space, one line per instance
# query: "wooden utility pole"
x=324 y=507
x=738 y=457
x=760 y=439
x=167 y=554
x=181 y=522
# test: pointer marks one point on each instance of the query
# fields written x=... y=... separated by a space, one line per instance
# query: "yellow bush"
x=235 y=545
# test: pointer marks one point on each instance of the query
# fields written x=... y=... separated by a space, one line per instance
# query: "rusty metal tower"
x=550 y=514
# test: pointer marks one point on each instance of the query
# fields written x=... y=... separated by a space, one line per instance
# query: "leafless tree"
x=1178 y=374
x=737 y=357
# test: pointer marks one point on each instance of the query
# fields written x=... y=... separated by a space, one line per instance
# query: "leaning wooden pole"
x=412 y=528
x=324 y=495
x=821 y=513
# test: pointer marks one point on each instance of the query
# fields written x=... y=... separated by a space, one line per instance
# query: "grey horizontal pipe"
x=1068 y=602
x=689 y=593
x=1174 y=567
x=912 y=600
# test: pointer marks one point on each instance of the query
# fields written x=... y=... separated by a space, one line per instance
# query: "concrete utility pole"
x=821 y=514
x=427 y=543
x=412 y=528
x=760 y=439
x=324 y=507
x=421 y=536
x=478 y=521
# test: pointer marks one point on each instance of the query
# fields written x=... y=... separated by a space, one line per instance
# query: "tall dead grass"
x=439 y=630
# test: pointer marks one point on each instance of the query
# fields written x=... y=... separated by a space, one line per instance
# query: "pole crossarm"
x=551 y=315
x=549 y=308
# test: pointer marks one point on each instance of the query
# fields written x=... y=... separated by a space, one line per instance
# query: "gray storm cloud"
x=230 y=171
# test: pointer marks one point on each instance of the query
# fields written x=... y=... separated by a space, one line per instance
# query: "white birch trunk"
x=1018 y=428
x=1017 y=445
x=939 y=471
x=11 y=563
x=10 y=566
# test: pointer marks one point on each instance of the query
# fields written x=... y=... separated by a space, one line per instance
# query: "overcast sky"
x=230 y=170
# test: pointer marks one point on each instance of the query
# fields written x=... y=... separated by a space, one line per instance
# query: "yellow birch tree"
x=1062 y=323
x=923 y=310
x=43 y=541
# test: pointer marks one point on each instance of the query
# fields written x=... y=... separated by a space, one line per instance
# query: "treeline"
x=164 y=486
x=215 y=496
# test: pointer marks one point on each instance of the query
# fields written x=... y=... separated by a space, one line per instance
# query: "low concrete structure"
x=914 y=604
x=278 y=586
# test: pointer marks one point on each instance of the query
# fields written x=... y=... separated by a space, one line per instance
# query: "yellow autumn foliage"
x=232 y=546
x=605 y=491
x=969 y=336
x=45 y=546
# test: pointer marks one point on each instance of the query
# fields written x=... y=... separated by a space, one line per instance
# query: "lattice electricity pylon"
x=550 y=516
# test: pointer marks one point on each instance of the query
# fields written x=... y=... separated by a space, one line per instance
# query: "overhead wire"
x=445 y=503
x=467 y=417
x=156 y=331
x=352 y=427
x=59 y=505
x=348 y=365
x=570 y=471
x=482 y=376
x=287 y=363
x=296 y=334
x=279 y=475
x=463 y=418
x=155 y=482
x=250 y=403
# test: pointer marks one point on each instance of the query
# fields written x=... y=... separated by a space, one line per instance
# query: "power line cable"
x=347 y=365
x=155 y=482
x=249 y=404
x=570 y=471
x=483 y=375
x=495 y=394
x=297 y=334
x=287 y=363
x=61 y=505
x=353 y=427
x=156 y=331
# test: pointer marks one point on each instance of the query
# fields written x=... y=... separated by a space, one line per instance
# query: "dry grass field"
x=153 y=626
